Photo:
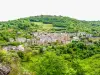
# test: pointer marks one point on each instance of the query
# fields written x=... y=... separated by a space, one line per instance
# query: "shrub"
x=50 y=64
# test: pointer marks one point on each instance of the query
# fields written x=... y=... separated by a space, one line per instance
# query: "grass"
x=95 y=39
x=38 y=23
x=48 y=27
x=44 y=27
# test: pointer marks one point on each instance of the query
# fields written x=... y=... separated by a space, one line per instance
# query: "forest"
x=22 y=54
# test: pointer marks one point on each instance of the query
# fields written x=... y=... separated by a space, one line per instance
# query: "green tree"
x=51 y=64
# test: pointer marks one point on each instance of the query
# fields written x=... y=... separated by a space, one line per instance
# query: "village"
x=44 y=38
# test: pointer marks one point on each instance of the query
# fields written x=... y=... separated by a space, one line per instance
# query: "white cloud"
x=80 y=9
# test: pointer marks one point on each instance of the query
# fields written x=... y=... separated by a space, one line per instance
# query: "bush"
x=14 y=43
x=50 y=64
x=3 y=54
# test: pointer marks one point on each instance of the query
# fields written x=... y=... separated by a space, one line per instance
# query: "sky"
x=79 y=9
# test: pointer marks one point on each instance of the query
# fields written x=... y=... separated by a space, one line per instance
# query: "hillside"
x=49 y=45
x=59 y=23
x=46 y=23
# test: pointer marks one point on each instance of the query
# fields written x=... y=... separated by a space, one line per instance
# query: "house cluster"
x=38 y=38
x=80 y=34
x=44 y=38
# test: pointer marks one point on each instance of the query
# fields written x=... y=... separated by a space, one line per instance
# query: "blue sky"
x=79 y=9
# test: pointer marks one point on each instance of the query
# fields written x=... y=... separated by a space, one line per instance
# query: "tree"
x=51 y=64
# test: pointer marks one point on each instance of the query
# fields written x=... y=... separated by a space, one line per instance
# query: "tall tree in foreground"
x=51 y=64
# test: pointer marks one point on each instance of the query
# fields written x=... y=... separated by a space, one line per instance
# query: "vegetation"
x=76 y=58
x=70 y=59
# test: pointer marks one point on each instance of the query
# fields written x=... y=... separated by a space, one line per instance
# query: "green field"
x=44 y=27
x=48 y=27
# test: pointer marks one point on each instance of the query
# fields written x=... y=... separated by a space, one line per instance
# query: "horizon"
x=87 y=10
x=43 y=15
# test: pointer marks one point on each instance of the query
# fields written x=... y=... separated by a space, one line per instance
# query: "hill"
x=45 y=45
x=58 y=22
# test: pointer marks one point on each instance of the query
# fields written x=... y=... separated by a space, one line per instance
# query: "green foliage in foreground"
x=71 y=59
x=91 y=65
x=50 y=64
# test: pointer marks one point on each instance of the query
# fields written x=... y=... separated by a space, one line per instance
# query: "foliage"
x=76 y=58
x=50 y=64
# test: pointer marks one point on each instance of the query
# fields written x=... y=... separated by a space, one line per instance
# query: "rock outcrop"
x=4 y=70
x=20 y=47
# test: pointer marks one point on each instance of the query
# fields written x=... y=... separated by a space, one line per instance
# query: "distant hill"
x=23 y=27
x=69 y=24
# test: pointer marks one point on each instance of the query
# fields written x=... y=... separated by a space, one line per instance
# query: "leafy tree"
x=51 y=64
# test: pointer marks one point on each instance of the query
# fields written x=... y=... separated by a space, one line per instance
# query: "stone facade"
x=44 y=38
